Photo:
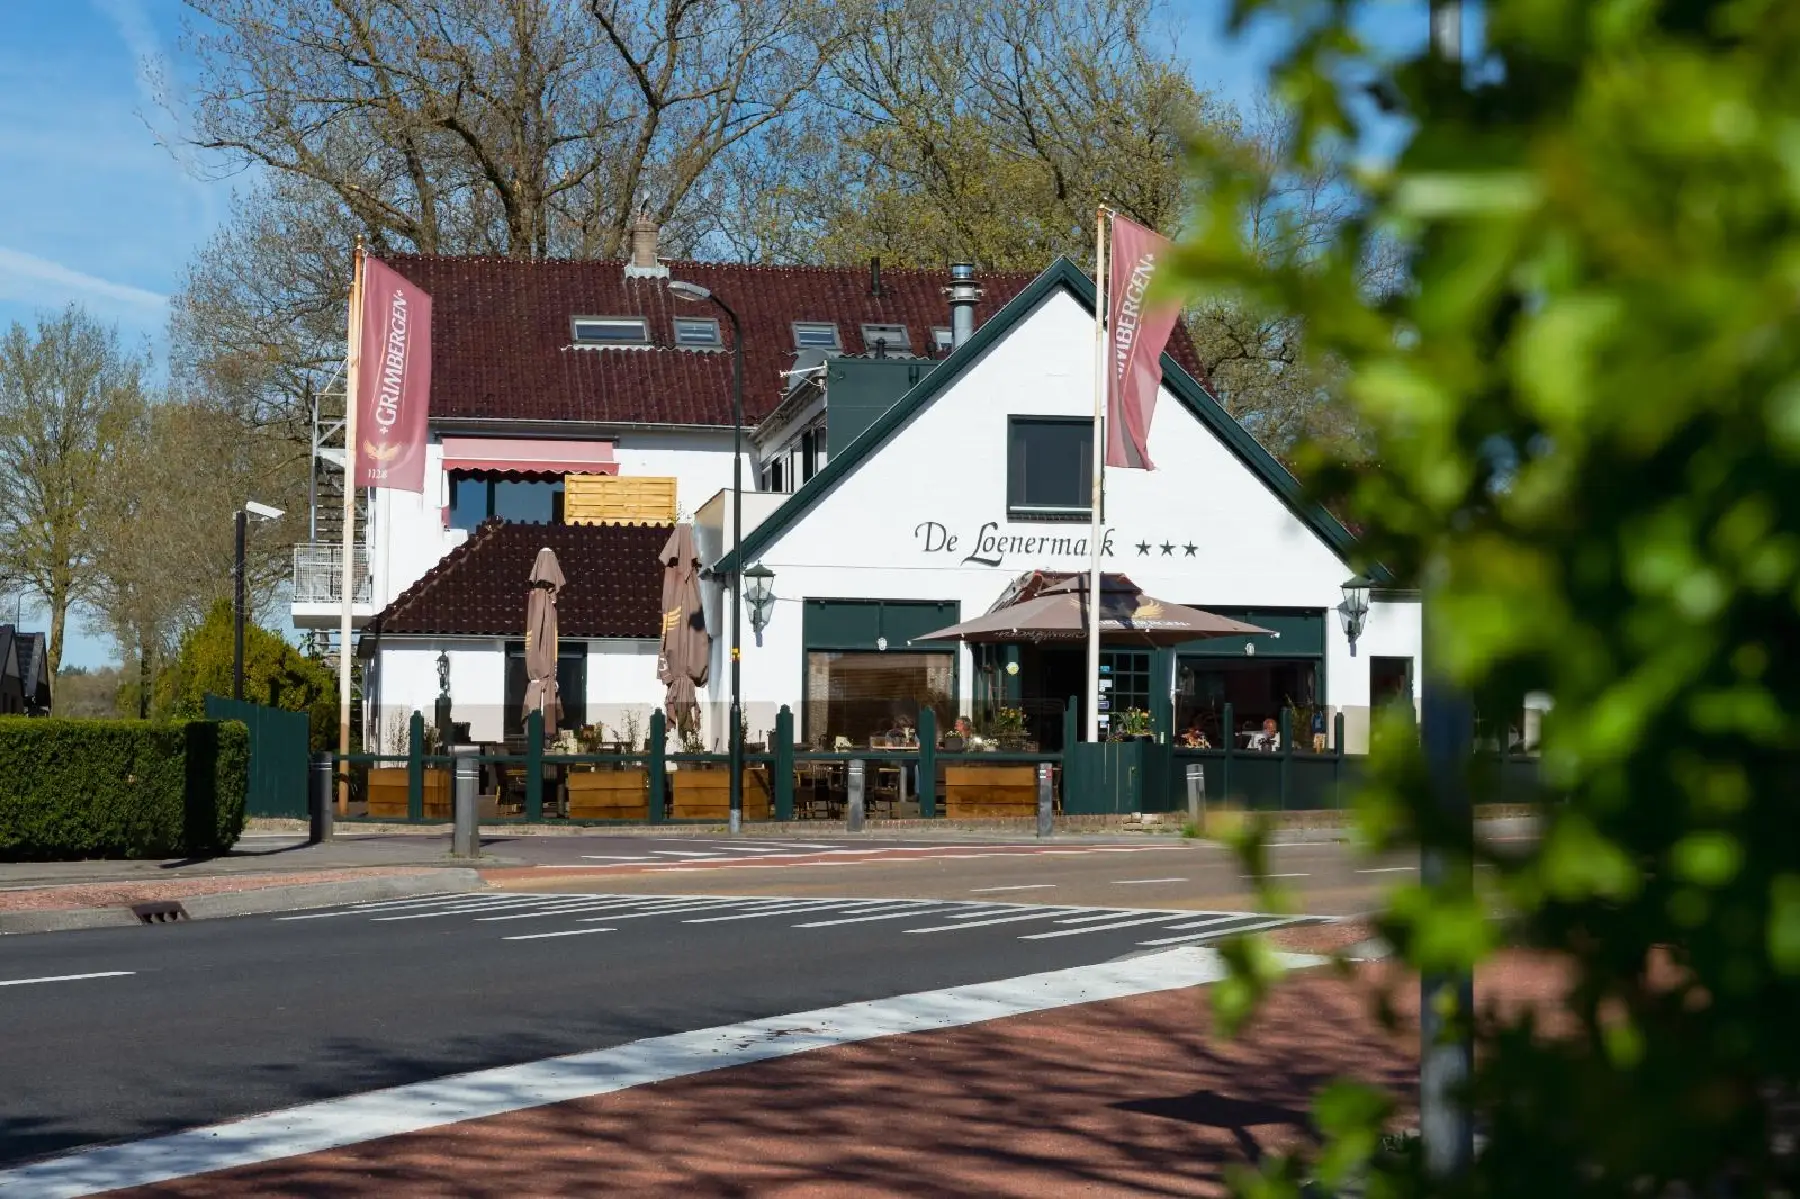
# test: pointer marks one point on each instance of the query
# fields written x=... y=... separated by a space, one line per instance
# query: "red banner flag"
x=393 y=396
x=1136 y=335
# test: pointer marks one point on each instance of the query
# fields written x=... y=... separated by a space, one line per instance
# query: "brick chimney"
x=643 y=263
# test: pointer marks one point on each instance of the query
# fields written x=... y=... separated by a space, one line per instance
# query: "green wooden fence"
x=278 y=743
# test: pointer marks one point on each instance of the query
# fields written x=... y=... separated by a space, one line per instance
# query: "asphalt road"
x=189 y=1024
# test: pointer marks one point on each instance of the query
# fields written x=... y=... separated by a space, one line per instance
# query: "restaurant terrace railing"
x=784 y=781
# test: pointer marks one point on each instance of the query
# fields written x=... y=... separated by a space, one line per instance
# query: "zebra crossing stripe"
x=914 y=909
x=967 y=923
x=861 y=904
x=1161 y=918
x=1223 y=932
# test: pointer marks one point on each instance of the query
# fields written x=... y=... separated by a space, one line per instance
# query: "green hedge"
x=120 y=788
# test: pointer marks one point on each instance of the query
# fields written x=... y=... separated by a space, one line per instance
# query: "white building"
x=894 y=485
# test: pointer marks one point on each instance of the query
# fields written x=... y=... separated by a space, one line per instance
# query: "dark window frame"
x=574 y=704
x=487 y=482
x=1020 y=510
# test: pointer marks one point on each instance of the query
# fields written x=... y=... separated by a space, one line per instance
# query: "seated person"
x=1271 y=735
x=1194 y=737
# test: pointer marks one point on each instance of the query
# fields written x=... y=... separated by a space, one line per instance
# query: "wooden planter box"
x=980 y=791
x=608 y=794
x=704 y=793
x=387 y=792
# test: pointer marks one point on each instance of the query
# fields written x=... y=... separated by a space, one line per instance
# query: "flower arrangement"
x=1007 y=728
x=1131 y=723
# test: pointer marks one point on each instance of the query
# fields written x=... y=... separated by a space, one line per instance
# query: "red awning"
x=532 y=457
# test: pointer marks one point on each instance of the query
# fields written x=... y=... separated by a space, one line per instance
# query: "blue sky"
x=97 y=209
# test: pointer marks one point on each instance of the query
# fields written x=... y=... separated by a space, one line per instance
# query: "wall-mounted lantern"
x=1354 y=611
x=759 y=591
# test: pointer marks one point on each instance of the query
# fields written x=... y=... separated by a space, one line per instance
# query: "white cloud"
x=28 y=278
x=147 y=59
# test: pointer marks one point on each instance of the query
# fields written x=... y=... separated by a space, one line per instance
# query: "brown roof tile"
x=501 y=337
x=478 y=589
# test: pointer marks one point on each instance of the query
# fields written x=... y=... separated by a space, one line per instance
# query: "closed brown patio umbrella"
x=686 y=655
x=540 y=640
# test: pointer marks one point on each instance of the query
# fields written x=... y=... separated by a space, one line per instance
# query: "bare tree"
x=1257 y=359
x=993 y=130
x=69 y=394
x=164 y=547
x=517 y=127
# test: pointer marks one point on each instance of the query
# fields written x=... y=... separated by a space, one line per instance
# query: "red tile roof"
x=501 y=340
x=478 y=589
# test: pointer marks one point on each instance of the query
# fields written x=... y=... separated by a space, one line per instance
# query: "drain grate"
x=161 y=911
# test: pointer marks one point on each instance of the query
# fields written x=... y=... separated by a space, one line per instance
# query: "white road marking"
x=581 y=907
x=912 y=909
x=567 y=932
x=464 y=910
x=686 y=853
x=667 y=909
x=630 y=911
x=862 y=904
x=418 y=1107
x=1095 y=928
x=1387 y=869
x=421 y=901
x=64 y=978
x=1015 y=887
x=1217 y=918
x=1144 y=882
x=1223 y=932
x=948 y=928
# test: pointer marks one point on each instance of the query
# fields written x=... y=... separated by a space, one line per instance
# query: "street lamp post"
x=241 y=521
x=735 y=736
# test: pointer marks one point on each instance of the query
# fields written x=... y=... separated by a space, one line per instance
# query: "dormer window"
x=697 y=332
x=611 y=331
x=886 y=339
x=816 y=335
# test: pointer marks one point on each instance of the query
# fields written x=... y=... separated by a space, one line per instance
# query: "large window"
x=1256 y=688
x=476 y=496
x=857 y=695
x=571 y=684
x=1049 y=468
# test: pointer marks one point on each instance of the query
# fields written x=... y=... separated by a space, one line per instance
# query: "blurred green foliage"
x=1586 y=418
x=275 y=674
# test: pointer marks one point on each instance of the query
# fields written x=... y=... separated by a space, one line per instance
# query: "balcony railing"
x=319 y=574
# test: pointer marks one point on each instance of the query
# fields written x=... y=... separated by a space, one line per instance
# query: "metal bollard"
x=465 y=840
x=854 y=820
x=319 y=799
x=1044 y=808
x=1196 y=795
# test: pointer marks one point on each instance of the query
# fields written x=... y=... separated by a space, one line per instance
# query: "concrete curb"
x=253 y=902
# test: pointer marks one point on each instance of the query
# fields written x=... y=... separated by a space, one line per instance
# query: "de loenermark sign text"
x=993 y=544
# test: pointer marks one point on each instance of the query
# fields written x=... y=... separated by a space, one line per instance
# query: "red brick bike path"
x=1126 y=1097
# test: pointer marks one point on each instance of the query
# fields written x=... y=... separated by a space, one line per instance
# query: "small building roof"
x=614 y=584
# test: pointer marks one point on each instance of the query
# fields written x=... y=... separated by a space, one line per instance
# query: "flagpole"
x=1099 y=472
x=347 y=587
